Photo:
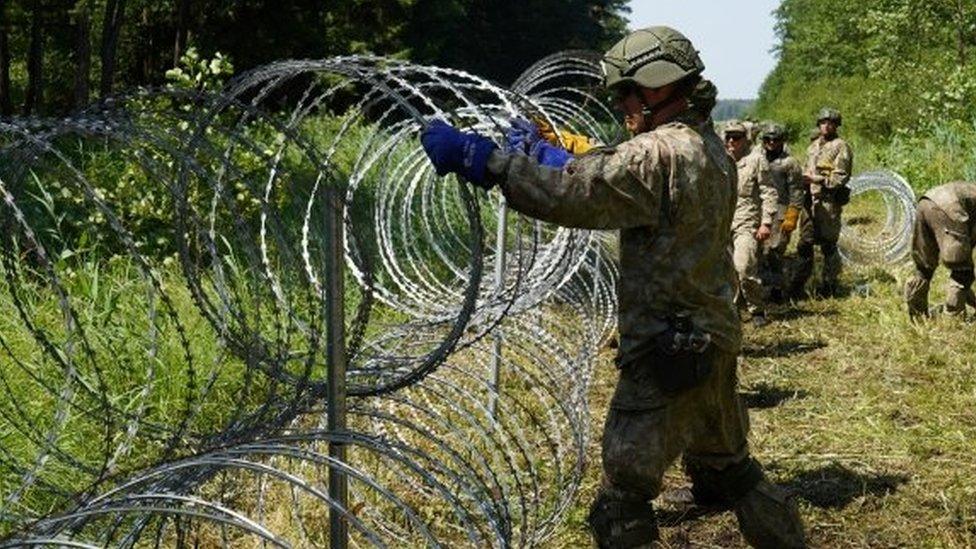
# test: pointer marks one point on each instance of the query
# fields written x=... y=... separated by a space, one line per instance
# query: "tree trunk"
x=6 y=103
x=114 y=12
x=961 y=25
x=82 y=54
x=182 y=30
x=35 y=62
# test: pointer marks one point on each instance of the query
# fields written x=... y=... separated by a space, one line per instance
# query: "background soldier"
x=670 y=190
x=787 y=178
x=827 y=171
x=752 y=224
x=945 y=225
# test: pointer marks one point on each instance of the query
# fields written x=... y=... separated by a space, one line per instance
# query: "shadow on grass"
x=783 y=348
x=796 y=313
x=860 y=220
x=763 y=395
x=835 y=486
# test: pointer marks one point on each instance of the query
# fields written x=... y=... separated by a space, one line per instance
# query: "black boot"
x=618 y=523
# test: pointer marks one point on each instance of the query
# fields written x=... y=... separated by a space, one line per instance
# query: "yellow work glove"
x=790 y=219
x=572 y=142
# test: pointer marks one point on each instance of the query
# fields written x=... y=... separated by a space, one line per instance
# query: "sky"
x=734 y=37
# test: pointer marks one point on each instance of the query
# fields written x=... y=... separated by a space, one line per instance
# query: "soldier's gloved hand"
x=790 y=219
x=524 y=137
x=572 y=142
x=453 y=151
x=521 y=136
x=549 y=155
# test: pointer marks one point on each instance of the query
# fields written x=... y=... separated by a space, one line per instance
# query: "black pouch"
x=677 y=358
x=840 y=195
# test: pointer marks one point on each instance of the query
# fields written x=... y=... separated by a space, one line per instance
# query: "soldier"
x=752 y=224
x=670 y=190
x=787 y=178
x=945 y=226
x=827 y=171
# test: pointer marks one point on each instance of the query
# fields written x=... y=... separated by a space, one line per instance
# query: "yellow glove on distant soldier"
x=572 y=142
x=790 y=219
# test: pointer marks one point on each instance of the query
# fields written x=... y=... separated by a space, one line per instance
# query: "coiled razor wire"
x=162 y=364
x=890 y=242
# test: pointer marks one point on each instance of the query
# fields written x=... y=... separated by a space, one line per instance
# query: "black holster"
x=679 y=358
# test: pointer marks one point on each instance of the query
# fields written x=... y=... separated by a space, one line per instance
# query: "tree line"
x=894 y=67
x=57 y=56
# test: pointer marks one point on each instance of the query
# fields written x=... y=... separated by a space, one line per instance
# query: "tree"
x=82 y=58
x=111 y=28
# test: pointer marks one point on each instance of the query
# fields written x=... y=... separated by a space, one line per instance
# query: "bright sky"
x=734 y=37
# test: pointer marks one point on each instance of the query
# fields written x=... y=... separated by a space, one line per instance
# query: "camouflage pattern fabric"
x=943 y=233
x=830 y=163
x=756 y=204
x=671 y=192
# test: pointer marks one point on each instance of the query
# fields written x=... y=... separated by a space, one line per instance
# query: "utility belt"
x=678 y=359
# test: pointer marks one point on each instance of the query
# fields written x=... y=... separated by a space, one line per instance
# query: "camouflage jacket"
x=671 y=192
x=756 y=195
x=830 y=163
x=958 y=201
x=787 y=176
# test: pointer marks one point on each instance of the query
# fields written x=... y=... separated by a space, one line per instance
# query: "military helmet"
x=734 y=126
x=827 y=113
x=651 y=57
x=774 y=131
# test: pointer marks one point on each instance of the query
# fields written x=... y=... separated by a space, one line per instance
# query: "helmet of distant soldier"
x=773 y=131
x=734 y=127
x=651 y=57
x=828 y=113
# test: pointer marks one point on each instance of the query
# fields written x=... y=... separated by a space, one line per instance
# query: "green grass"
x=868 y=419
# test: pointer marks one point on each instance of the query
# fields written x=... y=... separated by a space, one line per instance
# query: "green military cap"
x=828 y=113
x=651 y=57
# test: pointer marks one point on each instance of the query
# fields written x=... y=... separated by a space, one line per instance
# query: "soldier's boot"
x=959 y=292
x=831 y=270
x=804 y=269
x=917 y=294
x=622 y=522
x=768 y=517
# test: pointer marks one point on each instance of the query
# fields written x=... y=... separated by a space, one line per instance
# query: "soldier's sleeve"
x=770 y=196
x=607 y=188
x=843 y=163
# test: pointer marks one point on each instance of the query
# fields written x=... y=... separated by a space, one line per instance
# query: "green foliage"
x=192 y=72
x=902 y=72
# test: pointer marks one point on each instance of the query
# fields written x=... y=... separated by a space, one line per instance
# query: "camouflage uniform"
x=756 y=205
x=787 y=179
x=945 y=228
x=830 y=162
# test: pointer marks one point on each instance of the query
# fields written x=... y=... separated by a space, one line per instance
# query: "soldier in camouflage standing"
x=945 y=228
x=787 y=178
x=670 y=190
x=825 y=175
x=752 y=223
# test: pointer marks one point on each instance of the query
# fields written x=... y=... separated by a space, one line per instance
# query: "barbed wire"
x=105 y=443
x=891 y=243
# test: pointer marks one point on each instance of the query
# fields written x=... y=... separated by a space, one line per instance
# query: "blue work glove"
x=547 y=154
x=452 y=151
x=521 y=136
x=524 y=137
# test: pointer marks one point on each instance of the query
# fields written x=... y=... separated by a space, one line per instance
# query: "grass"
x=868 y=419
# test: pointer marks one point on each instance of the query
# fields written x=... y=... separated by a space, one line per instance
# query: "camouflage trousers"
x=745 y=256
x=647 y=430
x=937 y=239
x=819 y=225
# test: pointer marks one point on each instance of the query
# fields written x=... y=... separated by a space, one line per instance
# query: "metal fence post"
x=500 y=258
x=335 y=352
